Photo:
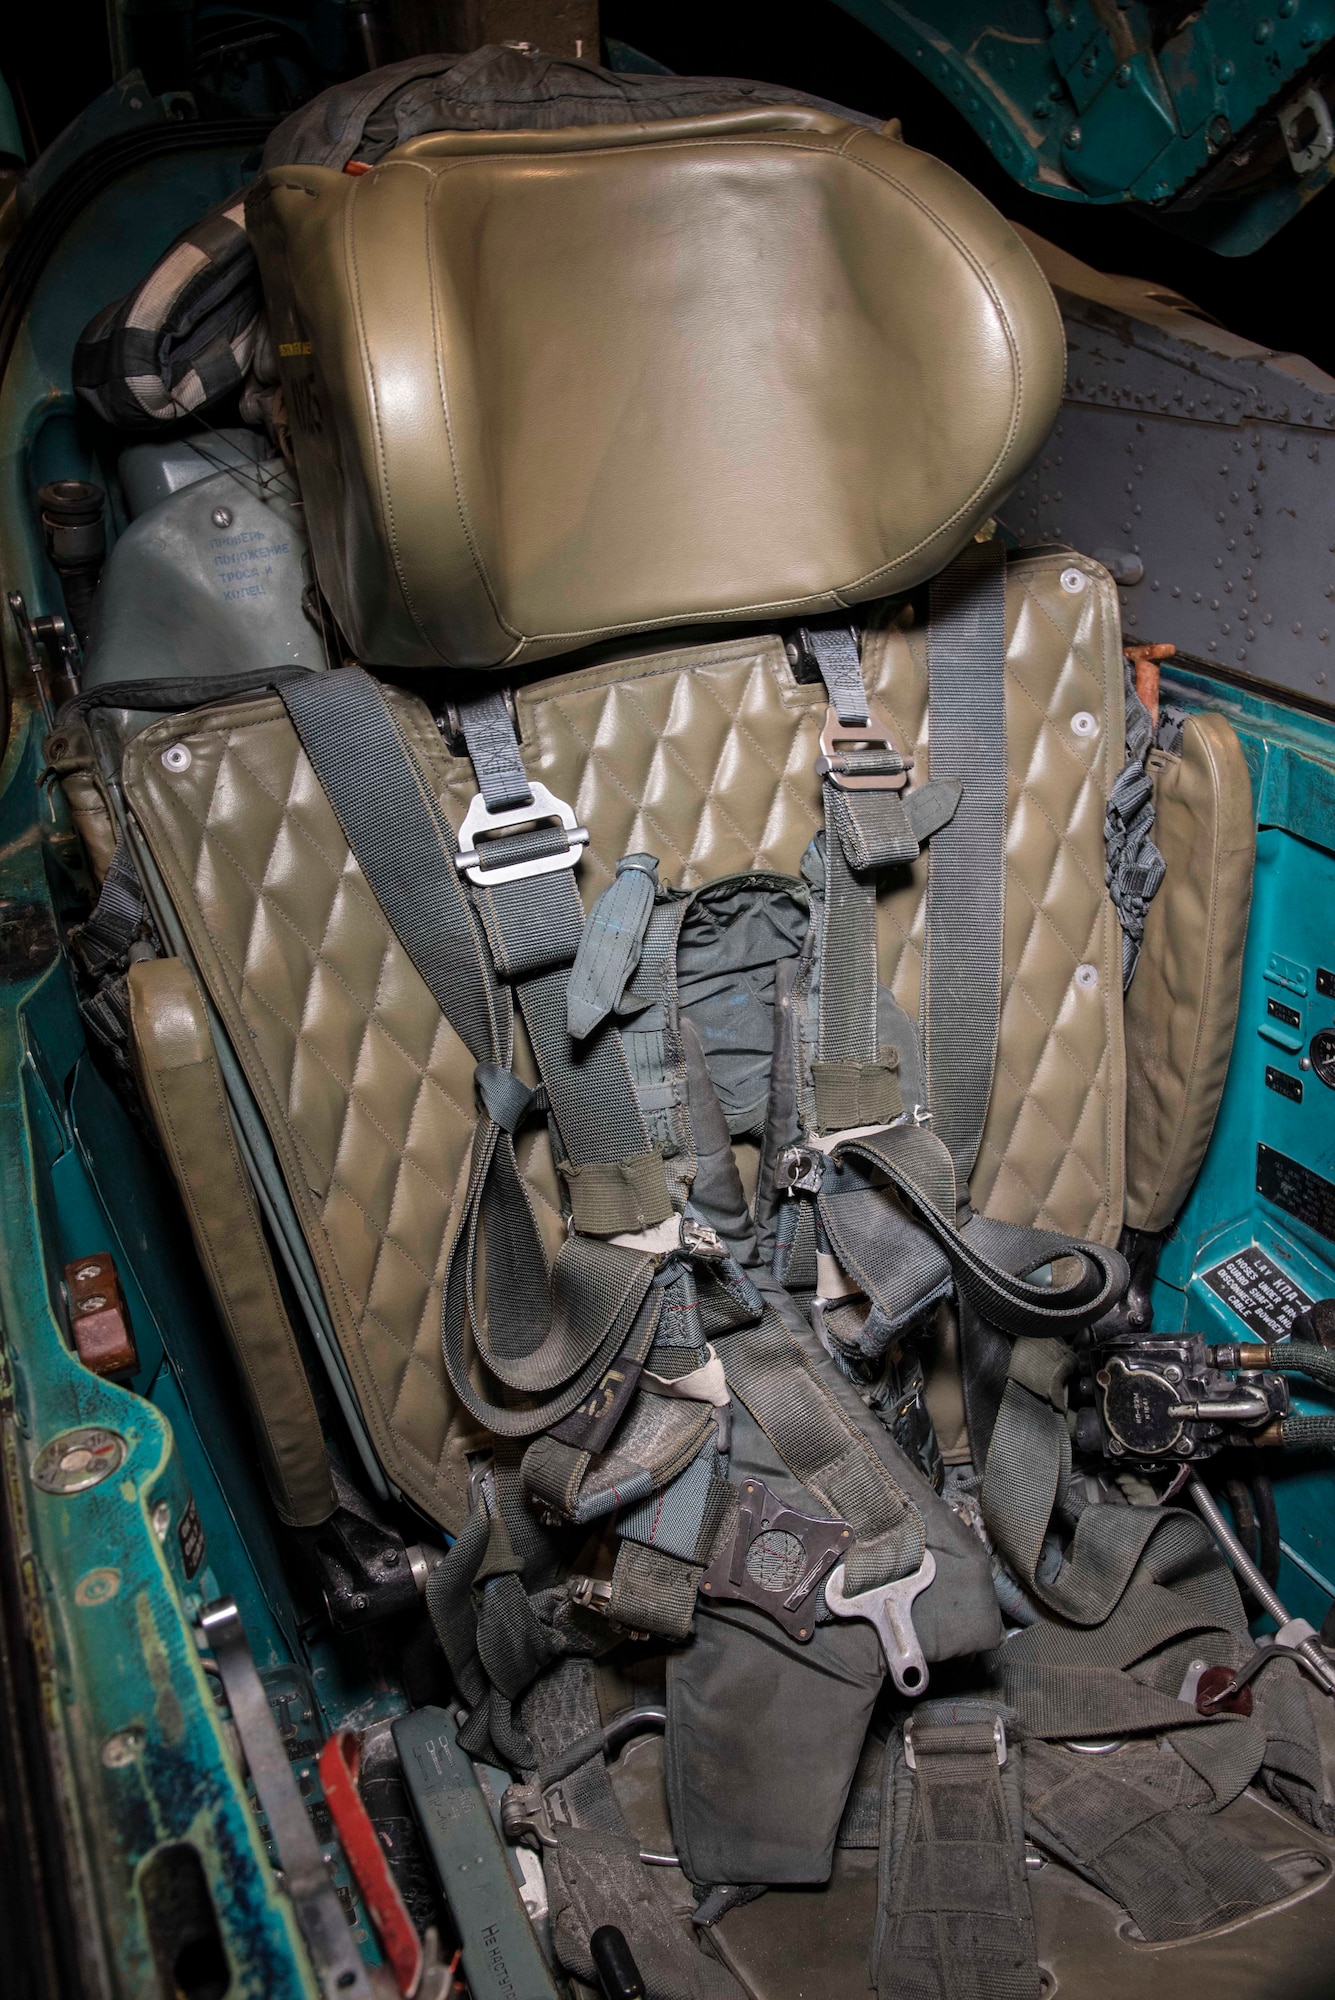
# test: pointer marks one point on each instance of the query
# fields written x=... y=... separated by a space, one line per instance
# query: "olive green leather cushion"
x=1182 y=1004
x=705 y=757
x=549 y=387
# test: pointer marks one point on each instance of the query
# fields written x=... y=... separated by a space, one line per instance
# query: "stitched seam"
x=460 y=506
x=368 y=370
x=244 y=983
x=351 y=1090
x=706 y=793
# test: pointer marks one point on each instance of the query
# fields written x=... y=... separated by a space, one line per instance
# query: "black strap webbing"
x=954 y=1920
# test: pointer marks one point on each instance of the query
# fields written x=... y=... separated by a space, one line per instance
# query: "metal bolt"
x=99 y=1586
x=221 y=517
x=391 y=1558
x=122 y=1748
x=177 y=758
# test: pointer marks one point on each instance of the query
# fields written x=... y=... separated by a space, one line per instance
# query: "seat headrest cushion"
x=550 y=387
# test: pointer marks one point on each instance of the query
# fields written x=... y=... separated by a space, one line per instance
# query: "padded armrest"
x=1182 y=1005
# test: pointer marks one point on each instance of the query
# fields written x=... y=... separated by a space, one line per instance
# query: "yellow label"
x=287 y=348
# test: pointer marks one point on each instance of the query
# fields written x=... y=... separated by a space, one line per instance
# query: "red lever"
x=339 y=1762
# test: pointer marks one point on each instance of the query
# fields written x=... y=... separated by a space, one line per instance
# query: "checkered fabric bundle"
x=194 y=331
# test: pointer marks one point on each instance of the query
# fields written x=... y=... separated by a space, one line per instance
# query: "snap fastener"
x=177 y=758
x=1087 y=976
x=1083 y=723
x=1073 y=580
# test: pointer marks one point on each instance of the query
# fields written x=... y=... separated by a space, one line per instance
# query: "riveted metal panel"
x=1201 y=471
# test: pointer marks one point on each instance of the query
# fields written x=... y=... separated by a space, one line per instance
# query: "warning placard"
x=1263 y=1297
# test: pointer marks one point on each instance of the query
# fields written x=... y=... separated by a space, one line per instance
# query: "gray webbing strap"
x=768 y=1372
x=1137 y=1824
x=113 y=924
x=954 y=1920
x=871 y=825
x=494 y=750
x=535 y=925
x=865 y=830
x=855 y=1215
x=610 y=948
x=594 y=1871
x=966 y=884
x=532 y=1338
x=836 y=652
x=1026 y=1480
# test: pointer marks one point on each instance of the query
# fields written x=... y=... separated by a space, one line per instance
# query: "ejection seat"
x=640 y=424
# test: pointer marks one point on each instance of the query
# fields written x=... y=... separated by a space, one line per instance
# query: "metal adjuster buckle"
x=592 y=1593
x=543 y=805
x=800 y=1169
x=998 y=1742
x=875 y=733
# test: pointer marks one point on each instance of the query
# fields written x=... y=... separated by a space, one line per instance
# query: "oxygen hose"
x=1291 y=1357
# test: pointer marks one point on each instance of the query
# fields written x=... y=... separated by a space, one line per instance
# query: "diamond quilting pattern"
x=703 y=758
x=1051 y=1152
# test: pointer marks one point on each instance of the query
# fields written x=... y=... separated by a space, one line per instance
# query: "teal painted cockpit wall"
x=1290 y=941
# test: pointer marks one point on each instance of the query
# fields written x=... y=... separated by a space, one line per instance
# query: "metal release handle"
x=889 y=1607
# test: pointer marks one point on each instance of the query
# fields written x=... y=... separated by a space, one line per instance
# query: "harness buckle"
x=543 y=805
x=701 y=1241
x=800 y=1170
x=592 y=1593
x=998 y=1743
x=838 y=738
x=774 y=1558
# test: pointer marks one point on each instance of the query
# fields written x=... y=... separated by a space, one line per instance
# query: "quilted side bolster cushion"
x=1052 y=1146
x=1182 y=1005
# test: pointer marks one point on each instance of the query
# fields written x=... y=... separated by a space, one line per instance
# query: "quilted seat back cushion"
x=547 y=387
x=703 y=757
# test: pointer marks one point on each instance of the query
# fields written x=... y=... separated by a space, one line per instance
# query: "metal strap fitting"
x=774 y=1558
x=838 y=738
x=592 y=1593
x=800 y=1169
x=544 y=805
x=998 y=1742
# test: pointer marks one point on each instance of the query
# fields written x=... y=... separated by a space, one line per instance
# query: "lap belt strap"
x=984 y=1258
x=768 y=1372
x=1137 y=1825
x=954 y=1920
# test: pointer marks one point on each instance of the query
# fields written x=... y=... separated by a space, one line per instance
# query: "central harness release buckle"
x=774 y=1559
x=543 y=805
x=838 y=738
